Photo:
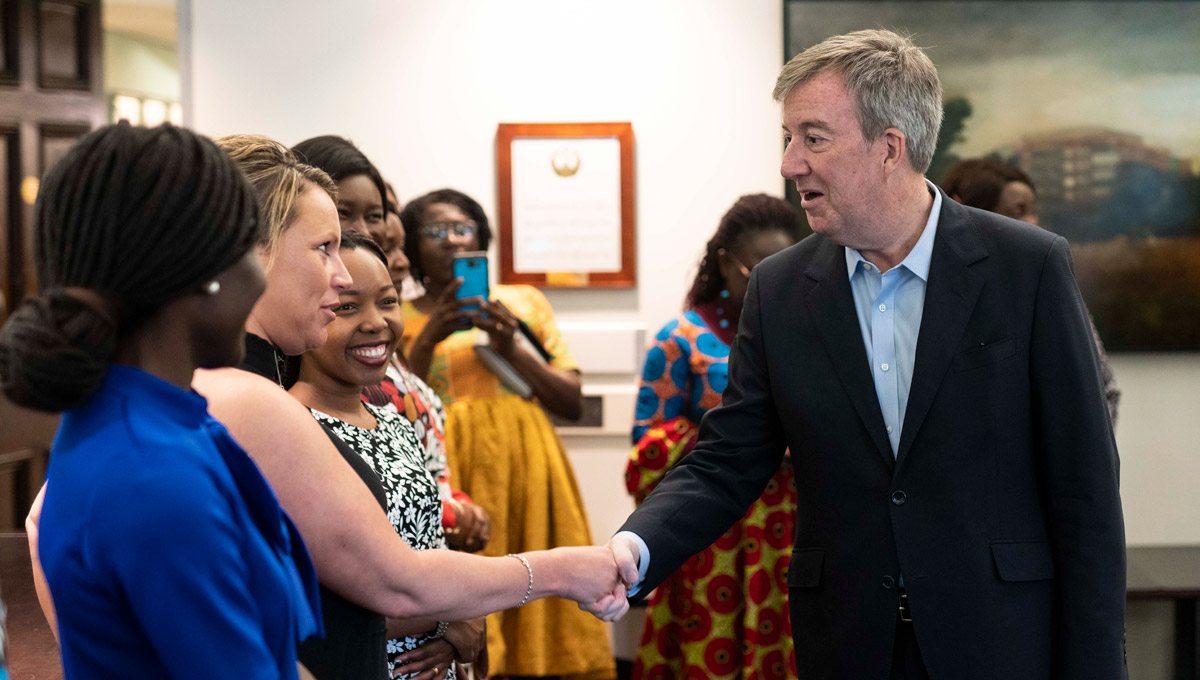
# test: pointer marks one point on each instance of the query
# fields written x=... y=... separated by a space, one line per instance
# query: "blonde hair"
x=892 y=80
x=278 y=178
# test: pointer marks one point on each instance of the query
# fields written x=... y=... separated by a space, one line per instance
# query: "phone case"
x=472 y=268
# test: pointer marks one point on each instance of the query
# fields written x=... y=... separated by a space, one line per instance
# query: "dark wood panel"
x=57 y=139
x=8 y=42
x=64 y=50
x=8 y=214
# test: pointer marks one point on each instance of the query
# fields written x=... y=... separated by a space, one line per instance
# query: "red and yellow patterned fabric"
x=506 y=454
x=724 y=613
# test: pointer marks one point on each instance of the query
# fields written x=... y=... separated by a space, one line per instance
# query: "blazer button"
x=888 y=582
x=898 y=497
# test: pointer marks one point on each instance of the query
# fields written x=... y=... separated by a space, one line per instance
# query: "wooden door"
x=50 y=95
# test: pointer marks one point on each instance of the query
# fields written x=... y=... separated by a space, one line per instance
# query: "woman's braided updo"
x=750 y=214
x=128 y=221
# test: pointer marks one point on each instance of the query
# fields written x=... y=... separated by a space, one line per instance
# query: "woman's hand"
x=500 y=324
x=557 y=389
x=431 y=661
x=587 y=574
x=445 y=318
x=469 y=638
x=473 y=528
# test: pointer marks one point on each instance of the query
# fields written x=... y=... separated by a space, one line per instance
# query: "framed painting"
x=1097 y=102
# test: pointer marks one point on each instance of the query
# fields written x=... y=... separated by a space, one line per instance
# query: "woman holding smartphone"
x=502 y=447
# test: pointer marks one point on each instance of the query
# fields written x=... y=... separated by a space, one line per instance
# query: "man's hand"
x=626 y=553
x=625 y=560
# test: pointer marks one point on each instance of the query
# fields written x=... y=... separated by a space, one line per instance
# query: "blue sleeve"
x=180 y=560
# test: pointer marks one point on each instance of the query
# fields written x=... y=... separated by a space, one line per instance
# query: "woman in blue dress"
x=166 y=552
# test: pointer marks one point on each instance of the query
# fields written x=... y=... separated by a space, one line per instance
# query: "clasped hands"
x=614 y=580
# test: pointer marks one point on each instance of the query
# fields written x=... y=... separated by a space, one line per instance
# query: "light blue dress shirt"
x=889 y=307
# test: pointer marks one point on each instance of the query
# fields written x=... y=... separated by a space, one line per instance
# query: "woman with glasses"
x=502 y=448
x=727 y=605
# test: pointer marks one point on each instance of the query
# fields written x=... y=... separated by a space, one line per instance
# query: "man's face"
x=838 y=174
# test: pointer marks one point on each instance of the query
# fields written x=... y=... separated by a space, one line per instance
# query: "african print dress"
x=724 y=613
x=392 y=449
x=505 y=453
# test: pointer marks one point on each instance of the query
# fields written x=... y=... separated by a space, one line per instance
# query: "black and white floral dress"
x=392 y=449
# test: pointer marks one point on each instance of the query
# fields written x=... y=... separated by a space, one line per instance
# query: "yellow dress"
x=505 y=454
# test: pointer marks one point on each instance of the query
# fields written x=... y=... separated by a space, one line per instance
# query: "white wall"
x=420 y=85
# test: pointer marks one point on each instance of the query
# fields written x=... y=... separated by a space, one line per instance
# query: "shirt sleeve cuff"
x=643 y=559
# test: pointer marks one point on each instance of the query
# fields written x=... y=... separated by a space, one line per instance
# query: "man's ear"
x=896 y=144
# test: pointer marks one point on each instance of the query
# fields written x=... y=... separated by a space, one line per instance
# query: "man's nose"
x=794 y=163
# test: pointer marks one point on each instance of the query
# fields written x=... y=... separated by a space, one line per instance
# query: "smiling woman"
x=362 y=339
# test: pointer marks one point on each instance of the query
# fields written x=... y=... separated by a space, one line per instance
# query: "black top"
x=355 y=643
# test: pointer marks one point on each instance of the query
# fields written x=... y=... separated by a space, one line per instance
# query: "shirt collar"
x=917 y=260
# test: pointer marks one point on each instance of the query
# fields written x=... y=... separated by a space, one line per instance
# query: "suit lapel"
x=830 y=305
x=950 y=297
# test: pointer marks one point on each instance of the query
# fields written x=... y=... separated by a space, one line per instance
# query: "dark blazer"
x=1001 y=508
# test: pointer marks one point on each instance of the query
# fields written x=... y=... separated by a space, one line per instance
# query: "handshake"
x=599 y=578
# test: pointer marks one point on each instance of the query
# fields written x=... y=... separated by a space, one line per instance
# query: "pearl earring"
x=213 y=287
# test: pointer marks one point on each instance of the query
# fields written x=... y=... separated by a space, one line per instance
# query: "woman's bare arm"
x=39 y=577
x=356 y=551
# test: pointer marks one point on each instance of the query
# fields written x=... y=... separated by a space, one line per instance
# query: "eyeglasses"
x=441 y=230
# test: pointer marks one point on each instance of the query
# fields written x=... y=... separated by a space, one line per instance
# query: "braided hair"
x=130 y=220
x=410 y=217
x=750 y=214
x=341 y=159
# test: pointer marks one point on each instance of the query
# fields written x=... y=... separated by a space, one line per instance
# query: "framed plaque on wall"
x=566 y=204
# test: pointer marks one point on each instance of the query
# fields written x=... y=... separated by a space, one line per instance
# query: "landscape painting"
x=1099 y=103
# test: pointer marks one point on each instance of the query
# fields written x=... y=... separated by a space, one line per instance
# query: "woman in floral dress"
x=361 y=340
x=724 y=613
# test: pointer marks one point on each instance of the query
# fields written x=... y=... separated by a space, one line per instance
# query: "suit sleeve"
x=1080 y=467
x=740 y=446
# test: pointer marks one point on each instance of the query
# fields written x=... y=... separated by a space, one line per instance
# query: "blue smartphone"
x=472 y=268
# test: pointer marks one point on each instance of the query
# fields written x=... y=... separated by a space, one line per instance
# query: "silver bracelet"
x=441 y=629
x=529 y=590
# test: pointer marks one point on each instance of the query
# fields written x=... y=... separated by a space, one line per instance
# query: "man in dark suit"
x=931 y=370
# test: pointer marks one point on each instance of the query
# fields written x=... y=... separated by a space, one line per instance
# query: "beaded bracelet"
x=441 y=629
x=528 y=591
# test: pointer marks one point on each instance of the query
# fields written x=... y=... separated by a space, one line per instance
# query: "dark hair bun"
x=54 y=352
